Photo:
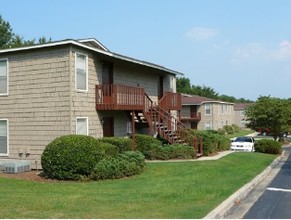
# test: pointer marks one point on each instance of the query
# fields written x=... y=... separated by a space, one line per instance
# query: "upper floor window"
x=4 y=77
x=207 y=109
x=81 y=72
x=3 y=137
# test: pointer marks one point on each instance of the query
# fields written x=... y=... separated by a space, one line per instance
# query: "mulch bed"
x=31 y=175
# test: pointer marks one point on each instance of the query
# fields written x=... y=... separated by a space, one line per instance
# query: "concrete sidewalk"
x=215 y=157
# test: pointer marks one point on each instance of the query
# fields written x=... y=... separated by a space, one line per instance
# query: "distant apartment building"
x=206 y=114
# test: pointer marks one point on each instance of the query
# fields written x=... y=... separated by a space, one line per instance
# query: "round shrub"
x=123 y=165
x=221 y=131
x=229 y=129
x=268 y=146
x=122 y=144
x=71 y=157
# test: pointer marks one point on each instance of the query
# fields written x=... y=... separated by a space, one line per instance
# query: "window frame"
x=7 y=77
x=207 y=104
x=87 y=125
x=86 y=72
x=210 y=127
x=7 y=136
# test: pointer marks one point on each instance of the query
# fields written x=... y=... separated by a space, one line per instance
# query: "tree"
x=6 y=34
x=270 y=113
x=183 y=85
x=8 y=39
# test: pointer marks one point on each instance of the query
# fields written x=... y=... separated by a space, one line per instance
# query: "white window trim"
x=81 y=90
x=87 y=123
x=210 y=125
x=7 y=123
x=7 y=80
x=207 y=109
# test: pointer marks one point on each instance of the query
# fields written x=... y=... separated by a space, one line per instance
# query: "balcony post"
x=133 y=147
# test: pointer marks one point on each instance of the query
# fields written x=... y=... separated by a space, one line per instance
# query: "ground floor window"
x=82 y=125
x=208 y=125
x=3 y=137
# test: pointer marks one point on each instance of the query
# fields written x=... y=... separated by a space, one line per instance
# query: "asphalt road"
x=275 y=202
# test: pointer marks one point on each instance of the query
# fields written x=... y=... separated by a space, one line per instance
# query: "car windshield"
x=243 y=139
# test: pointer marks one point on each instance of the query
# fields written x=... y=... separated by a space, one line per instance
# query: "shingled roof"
x=199 y=100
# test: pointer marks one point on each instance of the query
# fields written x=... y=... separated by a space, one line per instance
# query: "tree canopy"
x=272 y=114
x=184 y=86
x=9 y=39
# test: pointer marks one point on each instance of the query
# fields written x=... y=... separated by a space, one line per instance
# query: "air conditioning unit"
x=17 y=166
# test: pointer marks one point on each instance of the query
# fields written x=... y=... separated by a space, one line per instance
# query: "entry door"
x=160 y=87
x=107 y=73
x=108 y=127
x=107 y=81
x=193 y=111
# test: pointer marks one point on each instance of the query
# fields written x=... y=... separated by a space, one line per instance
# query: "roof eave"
x=107 y=53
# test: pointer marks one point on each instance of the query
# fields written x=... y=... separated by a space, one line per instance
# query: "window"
x=81 y=72
x=208 y=125
x=3 y=137
x=207 y=109
x=82 y=125
x=4 y=77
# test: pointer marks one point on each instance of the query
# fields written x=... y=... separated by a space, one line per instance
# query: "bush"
x=236 y=128
x=221 y=131
x=223 y=143
x=268 y=146
x=144 y=142
x=71 y=157
x=122 y=144
x=179 y=151
x=123 y=165
x=229 y=129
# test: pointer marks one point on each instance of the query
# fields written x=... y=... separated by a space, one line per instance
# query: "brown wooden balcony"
x=119 y=97
x=171 y=101
x=193 y=116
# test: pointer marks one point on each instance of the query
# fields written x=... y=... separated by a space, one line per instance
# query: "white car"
x=243 y=144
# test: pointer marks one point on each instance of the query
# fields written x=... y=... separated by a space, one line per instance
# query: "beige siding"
x=83 y=103
x=38 y=102
x=221 y=114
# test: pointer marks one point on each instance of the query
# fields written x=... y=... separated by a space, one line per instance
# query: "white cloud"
x=200 y=33
x=283 y=51
x=256 y=52
x=250 y=52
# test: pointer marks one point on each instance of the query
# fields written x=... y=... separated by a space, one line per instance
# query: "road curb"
x=221 y=211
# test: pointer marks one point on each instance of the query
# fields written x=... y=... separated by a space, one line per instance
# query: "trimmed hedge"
x=126 y=164
x=122 y=144
x=268 y=146
x=212 y=142
x=71 y=157
x=144 y=142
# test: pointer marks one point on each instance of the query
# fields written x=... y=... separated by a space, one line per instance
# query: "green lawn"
x=240 y=133
x=163 y=190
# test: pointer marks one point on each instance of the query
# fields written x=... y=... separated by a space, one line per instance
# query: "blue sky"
x=240 y=48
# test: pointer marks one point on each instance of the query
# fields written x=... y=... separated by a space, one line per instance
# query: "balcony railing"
x=171 y=101
x=119 y=97
x=193 y=116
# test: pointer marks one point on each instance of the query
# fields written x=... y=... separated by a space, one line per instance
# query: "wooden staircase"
x=167 y=126
x=156 y=117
